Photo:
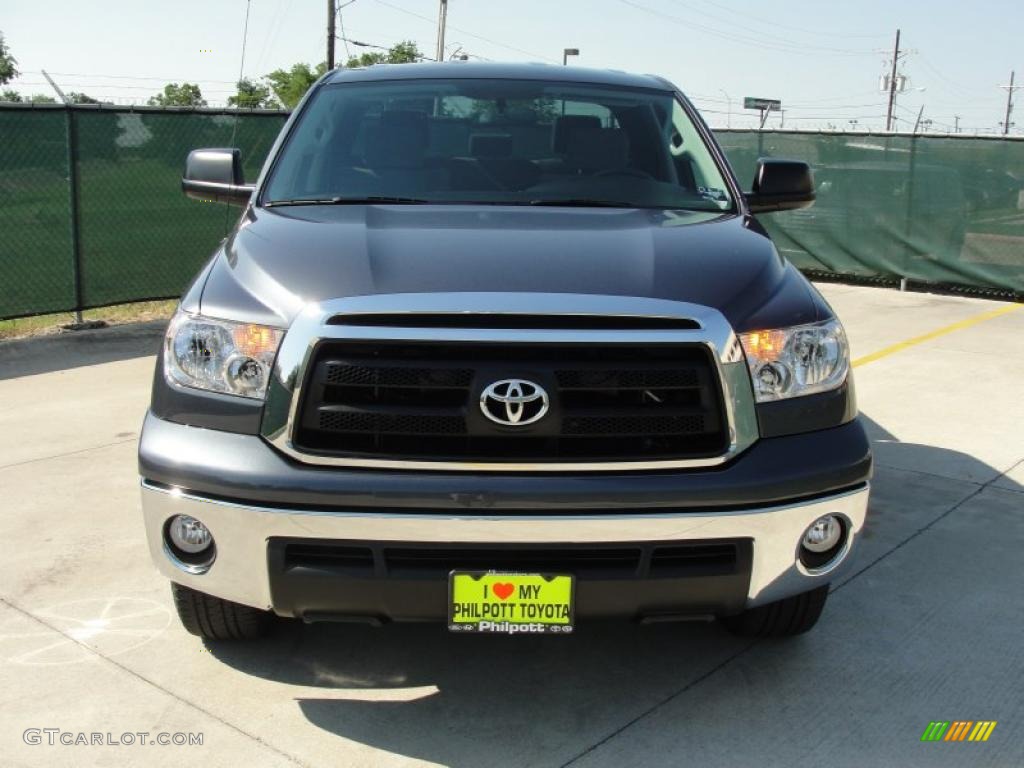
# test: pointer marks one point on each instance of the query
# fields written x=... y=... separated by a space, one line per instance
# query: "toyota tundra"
x=502 y=347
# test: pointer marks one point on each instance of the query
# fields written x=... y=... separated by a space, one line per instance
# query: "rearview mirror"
x=215 y=175
x=781 y=185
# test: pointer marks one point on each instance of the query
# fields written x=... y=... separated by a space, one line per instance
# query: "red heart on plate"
x=502 y=591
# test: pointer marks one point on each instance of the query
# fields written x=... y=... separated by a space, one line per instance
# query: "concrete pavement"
x=927 y=627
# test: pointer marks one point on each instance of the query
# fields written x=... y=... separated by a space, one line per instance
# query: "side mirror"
x=781 y=185
x=215 y=175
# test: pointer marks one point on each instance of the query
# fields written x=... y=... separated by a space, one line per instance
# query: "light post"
x=567 y=53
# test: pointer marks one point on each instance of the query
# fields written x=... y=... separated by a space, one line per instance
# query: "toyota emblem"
x=514 y=402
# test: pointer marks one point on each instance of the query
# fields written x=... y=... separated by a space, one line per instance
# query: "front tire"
x=212 y=618
x=783 y=618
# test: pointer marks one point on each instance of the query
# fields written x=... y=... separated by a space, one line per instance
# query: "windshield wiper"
x=339 y=200
x=584 y=202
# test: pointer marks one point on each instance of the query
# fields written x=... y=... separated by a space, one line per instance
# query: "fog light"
x=824 y=534
x=189 y=535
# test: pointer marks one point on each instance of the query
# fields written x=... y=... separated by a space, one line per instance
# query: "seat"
x=396 y=153
x=494 y=152
x=597 y=150
x=566 y=129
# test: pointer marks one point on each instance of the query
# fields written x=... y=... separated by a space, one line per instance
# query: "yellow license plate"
x=510 y=603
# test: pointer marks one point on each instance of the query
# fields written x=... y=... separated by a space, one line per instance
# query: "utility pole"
x=1009 y=102
x=892 y=82
x=442 y=19
x=917 y=124
x=956 y=123
x=728 y=114
x=331 y=11
x=60 y=93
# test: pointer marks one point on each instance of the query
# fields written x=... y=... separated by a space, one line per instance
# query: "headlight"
x=220 y=356
x=796 y=361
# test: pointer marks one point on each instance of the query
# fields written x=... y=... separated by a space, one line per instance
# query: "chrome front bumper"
x=241 y=531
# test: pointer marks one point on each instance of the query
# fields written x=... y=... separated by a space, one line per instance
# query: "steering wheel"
x=636 y=173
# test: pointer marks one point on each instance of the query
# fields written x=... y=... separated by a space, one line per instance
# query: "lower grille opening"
x=334 y=556
x=693 y=559
x=585 y=563
x=609 y=561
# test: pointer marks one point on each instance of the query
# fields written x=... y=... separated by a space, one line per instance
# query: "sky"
x=823 y=59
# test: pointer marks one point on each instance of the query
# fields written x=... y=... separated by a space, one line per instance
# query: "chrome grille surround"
x=325 y=320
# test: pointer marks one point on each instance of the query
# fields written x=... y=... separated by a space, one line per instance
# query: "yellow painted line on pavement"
x=899 y=346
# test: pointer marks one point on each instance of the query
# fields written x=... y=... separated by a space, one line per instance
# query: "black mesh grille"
x=692 y=424
x=340 y=374
x=423 y=424
x=421 y=401
x=432 y=561
x=627 y=379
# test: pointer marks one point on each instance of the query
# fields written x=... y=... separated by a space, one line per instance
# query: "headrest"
x=399 y=141
x=603 y=149
x=490 y=145
x=567 y=126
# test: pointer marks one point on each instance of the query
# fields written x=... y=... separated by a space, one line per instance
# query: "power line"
x=747 y=15
x=343 y=37
x=759 y=33
x=245 y=40
x=123 y=77
x=361 y=44
x=433 y=22
x=276 y=22
x=124 y=87
x=783 y=47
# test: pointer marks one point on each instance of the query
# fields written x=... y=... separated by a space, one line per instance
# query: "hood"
x=278 y=260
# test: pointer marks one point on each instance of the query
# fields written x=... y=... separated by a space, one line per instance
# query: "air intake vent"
x=519 y=321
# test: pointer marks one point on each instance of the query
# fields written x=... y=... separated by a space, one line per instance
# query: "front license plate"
x=510 y=603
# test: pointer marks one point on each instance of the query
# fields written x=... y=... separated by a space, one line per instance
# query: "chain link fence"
x=91 y=211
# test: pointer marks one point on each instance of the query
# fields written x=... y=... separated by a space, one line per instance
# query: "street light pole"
x=567 y=53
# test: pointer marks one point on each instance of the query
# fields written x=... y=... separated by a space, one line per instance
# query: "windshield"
x=496 y=141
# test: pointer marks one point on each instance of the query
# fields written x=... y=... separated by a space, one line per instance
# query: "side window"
x=694 y=166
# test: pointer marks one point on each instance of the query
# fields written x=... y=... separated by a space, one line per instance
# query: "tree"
x=41 y=98
x=9 y=94
x=367 y=60
x=7 y=69
x=405 y=52
x=252 y=95
x=289 y=86
x=174 y=95
x=74 y=97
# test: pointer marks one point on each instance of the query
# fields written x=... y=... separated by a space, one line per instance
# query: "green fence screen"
x=139 y=237
x=933 y=210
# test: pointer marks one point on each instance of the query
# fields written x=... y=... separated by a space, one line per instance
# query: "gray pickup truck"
x=501 y=347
